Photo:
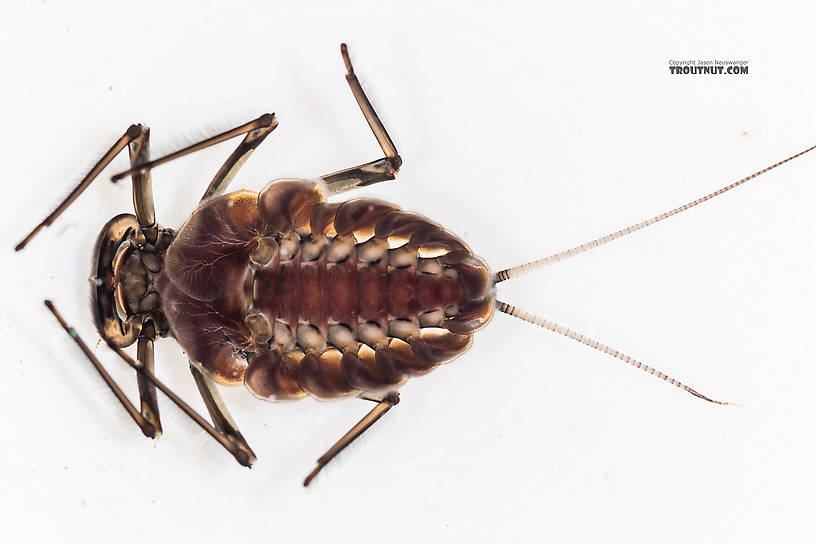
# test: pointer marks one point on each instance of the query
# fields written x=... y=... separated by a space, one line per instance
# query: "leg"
x=392 y=399
x=137 y=139
x=139 y=151
x=236 y=160
x=256 y=131
x=131 y=135
x=221 y=418
x=143 y=420
x=375 y=171
x=241 y=455
x=358 y=176
x=149 y=405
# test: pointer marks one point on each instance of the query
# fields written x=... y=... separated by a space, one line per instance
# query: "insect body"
x=293 y=295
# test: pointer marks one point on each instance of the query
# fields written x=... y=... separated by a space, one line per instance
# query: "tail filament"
x=564 y=331
x=540 y=263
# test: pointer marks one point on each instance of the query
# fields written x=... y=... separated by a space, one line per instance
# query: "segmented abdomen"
x=293 y=295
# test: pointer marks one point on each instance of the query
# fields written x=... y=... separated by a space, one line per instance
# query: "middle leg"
x=244 y=456
x=256 y=131
x=221 y=418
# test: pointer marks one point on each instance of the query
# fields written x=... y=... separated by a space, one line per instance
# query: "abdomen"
x=293 y=295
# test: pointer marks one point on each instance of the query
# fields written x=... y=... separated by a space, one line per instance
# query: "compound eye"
x=108 y=298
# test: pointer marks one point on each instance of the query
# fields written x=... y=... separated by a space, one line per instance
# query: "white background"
x=526 y=129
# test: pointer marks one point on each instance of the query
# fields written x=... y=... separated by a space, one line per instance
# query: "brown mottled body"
x=293 y=295
x=296 y=296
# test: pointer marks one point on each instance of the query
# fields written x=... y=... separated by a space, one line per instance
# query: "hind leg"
x=375 y=171
x=390 y=400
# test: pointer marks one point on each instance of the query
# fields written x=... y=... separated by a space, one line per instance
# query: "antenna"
x=564 y=331
x=517 y=271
